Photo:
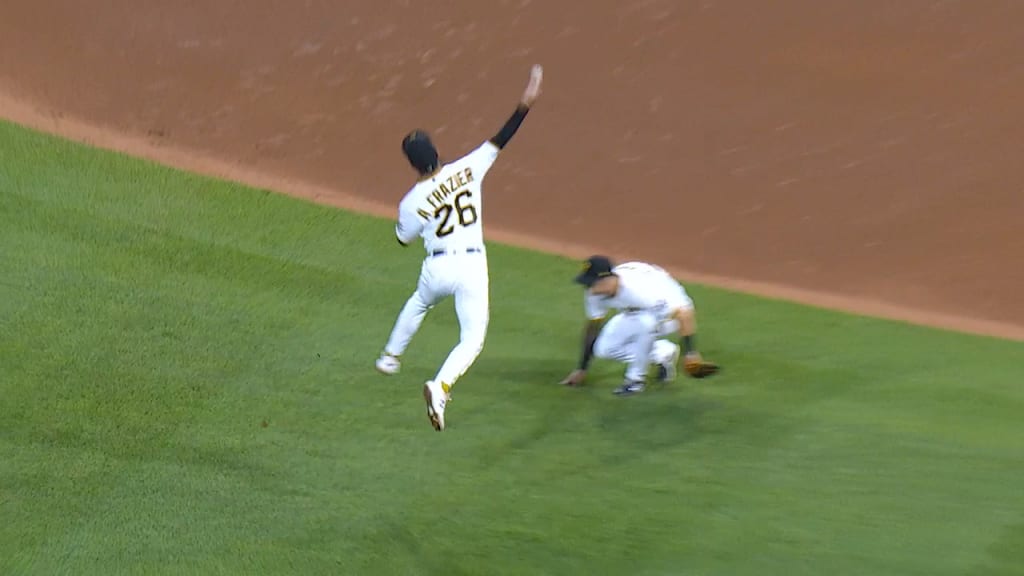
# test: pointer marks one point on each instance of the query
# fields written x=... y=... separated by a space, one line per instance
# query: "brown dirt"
x=858 y=155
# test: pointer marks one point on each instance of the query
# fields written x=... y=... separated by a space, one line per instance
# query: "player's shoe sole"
x=435 y=411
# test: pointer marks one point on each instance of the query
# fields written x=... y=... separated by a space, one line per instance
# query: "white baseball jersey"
x=446 y=210
x=642 y=288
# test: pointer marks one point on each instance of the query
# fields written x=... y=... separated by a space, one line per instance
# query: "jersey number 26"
x=466 y=214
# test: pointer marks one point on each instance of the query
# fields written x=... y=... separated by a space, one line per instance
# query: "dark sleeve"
x=589 y=338
x=509 y=129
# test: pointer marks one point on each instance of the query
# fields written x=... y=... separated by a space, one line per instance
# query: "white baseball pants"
x=463 y=275
x=636 y=339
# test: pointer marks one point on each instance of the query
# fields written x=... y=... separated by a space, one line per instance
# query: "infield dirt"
x=857 y=155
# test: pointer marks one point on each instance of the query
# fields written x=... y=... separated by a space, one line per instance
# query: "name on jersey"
x=439 y=196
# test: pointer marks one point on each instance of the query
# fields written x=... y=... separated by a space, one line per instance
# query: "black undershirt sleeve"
x=511 y=126
x=589 y=338
x=689 y=343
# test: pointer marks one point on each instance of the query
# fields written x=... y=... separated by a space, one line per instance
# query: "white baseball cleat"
x=668 y=368
x=388 y=364
x=436 y=397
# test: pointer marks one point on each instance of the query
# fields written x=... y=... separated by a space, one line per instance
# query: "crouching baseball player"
x=652 y=306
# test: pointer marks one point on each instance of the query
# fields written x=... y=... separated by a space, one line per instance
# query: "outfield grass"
x=187 y=387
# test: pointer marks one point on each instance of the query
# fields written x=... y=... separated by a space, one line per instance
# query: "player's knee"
x=419 y=301
x=474 y=339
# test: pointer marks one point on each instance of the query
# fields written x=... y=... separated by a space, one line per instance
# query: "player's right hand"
x=533 y=87
x=575 y=378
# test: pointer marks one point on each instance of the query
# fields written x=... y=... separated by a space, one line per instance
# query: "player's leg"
x=665 y=356
x=472 y=307
x=665 y=353
x=630 y=338
x=408 y=323
x=617 y=339
x=406 y=326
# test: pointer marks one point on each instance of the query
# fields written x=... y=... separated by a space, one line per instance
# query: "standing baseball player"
x=445 y=208
x=652 y=306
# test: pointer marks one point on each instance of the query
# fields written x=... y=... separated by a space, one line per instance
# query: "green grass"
x=152 y=321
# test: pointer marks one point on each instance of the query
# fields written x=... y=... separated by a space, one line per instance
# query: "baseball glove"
x=696 y=367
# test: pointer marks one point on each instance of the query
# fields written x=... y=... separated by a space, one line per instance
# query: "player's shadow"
x=664 y=417
x=527 y=371
x=657 y=419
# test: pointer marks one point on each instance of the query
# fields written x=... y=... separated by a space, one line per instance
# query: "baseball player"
x=445 y=208
x=652 y=306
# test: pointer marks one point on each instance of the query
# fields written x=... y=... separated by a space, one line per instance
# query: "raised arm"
x=529 y=97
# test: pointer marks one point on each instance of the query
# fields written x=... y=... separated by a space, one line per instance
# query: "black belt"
x=443 y=252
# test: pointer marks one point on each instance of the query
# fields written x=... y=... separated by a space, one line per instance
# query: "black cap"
x=594 y=268
x=420 y=151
